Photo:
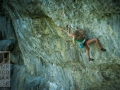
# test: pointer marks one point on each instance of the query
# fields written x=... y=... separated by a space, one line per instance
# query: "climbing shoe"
x=102 y=49
x=91 y=59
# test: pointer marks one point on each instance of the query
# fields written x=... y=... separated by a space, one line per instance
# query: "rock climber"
x=79 y=36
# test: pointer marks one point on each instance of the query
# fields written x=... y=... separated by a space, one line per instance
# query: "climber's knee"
x=96 y=39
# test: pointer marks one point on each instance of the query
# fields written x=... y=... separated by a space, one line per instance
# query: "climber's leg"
x=88 y=52
x=94 y=40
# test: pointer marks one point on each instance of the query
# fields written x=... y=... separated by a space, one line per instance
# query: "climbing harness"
x=82 y=44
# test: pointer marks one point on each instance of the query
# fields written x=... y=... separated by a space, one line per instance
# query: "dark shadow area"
x=111 y=77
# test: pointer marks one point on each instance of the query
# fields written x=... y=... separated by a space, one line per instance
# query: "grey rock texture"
x=6 y=45
x=44 y=57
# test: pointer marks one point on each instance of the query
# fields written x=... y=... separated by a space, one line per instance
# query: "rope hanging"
x=62 y=29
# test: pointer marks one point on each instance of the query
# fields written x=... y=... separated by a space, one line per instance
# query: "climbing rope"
x=74 y=69
x=62 y=29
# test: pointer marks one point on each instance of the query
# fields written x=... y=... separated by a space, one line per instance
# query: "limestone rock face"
x=44 y=57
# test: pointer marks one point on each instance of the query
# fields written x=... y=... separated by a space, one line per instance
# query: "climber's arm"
x=71 y=35
x=74 y=42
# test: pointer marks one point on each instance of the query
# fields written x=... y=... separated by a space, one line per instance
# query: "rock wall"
x=44 y=57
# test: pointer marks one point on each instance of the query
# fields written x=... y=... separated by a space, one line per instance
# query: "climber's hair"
x=76 y=33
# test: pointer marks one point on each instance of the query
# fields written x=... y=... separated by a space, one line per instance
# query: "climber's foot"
x=102 y=49
x=90 y=59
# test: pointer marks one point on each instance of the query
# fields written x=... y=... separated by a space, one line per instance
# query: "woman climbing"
x=78 y=36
